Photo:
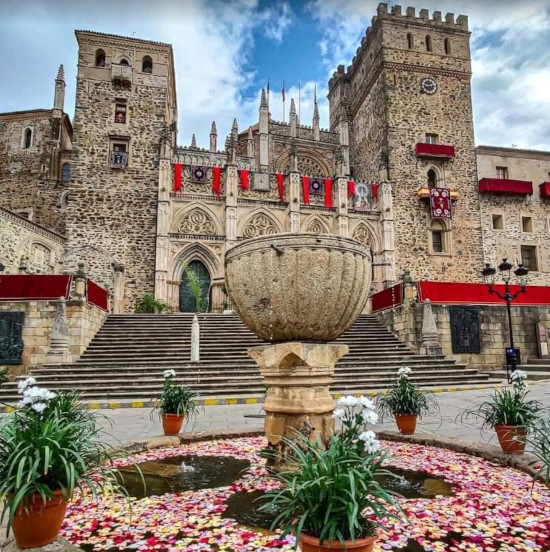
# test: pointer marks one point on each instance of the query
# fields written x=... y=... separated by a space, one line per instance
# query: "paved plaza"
x=127 y=424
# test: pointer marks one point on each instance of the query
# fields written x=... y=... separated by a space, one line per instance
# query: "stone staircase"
x=126 y=358
x=536 y=369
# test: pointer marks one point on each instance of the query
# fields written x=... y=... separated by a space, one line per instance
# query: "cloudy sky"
x=226 y=51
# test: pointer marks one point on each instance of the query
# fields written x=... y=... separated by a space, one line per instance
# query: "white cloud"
x=510 y=60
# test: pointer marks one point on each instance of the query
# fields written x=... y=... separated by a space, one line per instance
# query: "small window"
x=124 y=62
x=437 y=241
x=100 y=58
x=529 y=257
x=447 y=44
x=498 y=222
x=439 y=238
x=410 y=41
x=502 y=173
x=120 y=113
x=527 y=224
x=27 y=138
x=428 y=43
x=432 y=179
x=118 y=155
x=65 y=172
x=431 y=138
x=147 y=65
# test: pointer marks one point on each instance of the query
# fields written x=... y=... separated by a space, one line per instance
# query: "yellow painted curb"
x=211 y=402
x=94 y=406
x=9 y=409
x=232 y=401
x=138 y=404
x=251 y=400
x=438 y=390
x=114 y=405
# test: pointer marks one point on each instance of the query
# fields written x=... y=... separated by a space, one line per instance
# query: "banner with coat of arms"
x=440 y=203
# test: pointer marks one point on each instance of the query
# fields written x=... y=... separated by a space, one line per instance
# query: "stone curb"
x=227 y=401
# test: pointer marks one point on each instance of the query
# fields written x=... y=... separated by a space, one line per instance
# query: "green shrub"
x=148 y=304
x=3 y=375
x=176 y=399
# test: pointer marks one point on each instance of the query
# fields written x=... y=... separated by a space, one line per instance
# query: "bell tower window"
x=447 y=44
x=100 y=58
x=428 y=43
x=147 y=65
x=27 y=138
x=65 y=173
x=440 y=238
x=120 y=113
x=432 y=179
x=124 y=62
x=410 y=41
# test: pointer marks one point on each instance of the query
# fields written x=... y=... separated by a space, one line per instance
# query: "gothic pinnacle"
x=193 y=142
x=235 y=125
x=61 y=73
x=213 y=130
x=250 y=135
x=263 y=101
x=292 y=107
x=316 y=112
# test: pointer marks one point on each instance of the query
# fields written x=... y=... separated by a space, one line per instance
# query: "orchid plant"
x=176 y=399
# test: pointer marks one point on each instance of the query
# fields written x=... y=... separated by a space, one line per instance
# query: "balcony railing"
x=121 y=73
x=505 y=186
x=438 y=151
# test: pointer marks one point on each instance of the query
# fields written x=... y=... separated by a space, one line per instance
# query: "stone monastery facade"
x=398 y=170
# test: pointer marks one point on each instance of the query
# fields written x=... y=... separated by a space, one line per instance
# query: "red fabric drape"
x=34 y=287
x=244 y=179
x=328 y=193
x=387 y=298
x=305 y=189
x=281 y=185
x=351 y=188
x=216 y=180
x=96 y=295
x=374 y=190
x=177 y=176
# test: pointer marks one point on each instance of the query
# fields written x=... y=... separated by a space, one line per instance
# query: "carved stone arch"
x=196 y=252
x=309 y=162
x=366 y=234
x=439 y=179
x=316 y=224
x=259 y=223
x=124 y=55
x=196 y=218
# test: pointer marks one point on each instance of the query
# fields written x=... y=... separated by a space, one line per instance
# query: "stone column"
x=231 y=194
x=163 y=229
x=118 y=288
x=385 y=203
x=298 y=378
x=59 y=335
x=342 y=205
x=294 y=200
x=195 y=340
x=80 y=282
x=430 y=342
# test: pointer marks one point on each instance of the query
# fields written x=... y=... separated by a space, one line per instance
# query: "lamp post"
x=505 y=273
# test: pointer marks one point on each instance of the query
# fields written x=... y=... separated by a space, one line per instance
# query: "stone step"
x=534 y=367
x=543 y=361
x=531 y=375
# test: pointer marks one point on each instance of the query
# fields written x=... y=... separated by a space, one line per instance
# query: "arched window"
x=432 y=179
x=437 y=237
x=147 y=65
x=27 y=138
x=65 y=172
x=428 y=43
x=447 y=44
x=100 y=58
x=124 y=61
x=410 y=41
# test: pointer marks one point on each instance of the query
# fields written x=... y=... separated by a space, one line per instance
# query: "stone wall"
x=84 y=322
x=406 y=323
x=39 y=248
x=509 y=222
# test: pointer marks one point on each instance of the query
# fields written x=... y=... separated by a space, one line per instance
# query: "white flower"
x=22 y=385
x=36 y=394
x=339 y=413
x=169 y=374
x=39 y=406
x=370 y=416
x=372 y=444
x=518 y=375
x=366 y=403
x=404 y=372
x=348 y=400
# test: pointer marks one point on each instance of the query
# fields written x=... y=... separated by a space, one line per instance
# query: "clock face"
x=428 y=86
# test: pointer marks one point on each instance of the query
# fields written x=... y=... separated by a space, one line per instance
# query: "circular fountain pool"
x=454 y=502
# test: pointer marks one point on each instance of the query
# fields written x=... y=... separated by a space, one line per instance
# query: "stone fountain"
x=298 y=291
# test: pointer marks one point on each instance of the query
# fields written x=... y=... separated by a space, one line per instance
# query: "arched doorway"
x=188 y=302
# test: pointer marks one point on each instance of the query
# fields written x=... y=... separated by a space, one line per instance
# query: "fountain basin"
x=298 y=287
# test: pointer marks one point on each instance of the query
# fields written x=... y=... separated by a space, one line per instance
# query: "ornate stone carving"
x=197 y=222
x=307 y=165
x=282 y=286
x=59 y=334
x=362 y=235
x=260 y=225
x=317 y=227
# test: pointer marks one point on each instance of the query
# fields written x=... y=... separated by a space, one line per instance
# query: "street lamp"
x=505 y=270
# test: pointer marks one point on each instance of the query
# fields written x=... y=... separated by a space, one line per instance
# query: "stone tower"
x=407 y=98
x=124 y=132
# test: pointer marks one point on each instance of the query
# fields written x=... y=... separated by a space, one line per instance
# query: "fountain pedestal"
x=298 y=378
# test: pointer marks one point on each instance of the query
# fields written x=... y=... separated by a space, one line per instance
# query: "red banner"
x=328 y=193
x=440 y=203
x=305 y=189
x=216 y=180
x=177 y=176
x=387 y=298
x=281 y=185
x=374 y=190
x=351 y=188
x=458 y=293
x=34 y=287
x=96 y=295
x=244 y=179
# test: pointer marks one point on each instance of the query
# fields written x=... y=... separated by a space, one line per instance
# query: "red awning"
x=544 y=189
x=505 y=186
x=435 y=150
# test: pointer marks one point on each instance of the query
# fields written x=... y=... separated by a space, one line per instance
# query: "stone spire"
x=263 y=100
x=235 y=129
x=263 y=129
x=316 y=119
x=193 y=142
x=293 y=119
x=213 y=137
x=344 y=139
x=250 y=144
x=59 y=95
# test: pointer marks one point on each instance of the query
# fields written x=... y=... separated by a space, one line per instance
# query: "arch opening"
x=195 y=288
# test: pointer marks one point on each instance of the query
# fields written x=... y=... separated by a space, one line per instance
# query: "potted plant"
x=48 y=445
x=177 y=402
x=406 y=402
x=539 y=439
x=330 y=498
x=510 y=412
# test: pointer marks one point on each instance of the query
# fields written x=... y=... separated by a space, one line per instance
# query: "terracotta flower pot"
x=511 y=438
x=311 y=544
x=406 y=423
x=171 y=424
x=37 y=523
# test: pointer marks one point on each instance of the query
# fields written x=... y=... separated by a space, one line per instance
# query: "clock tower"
x=407 y=99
